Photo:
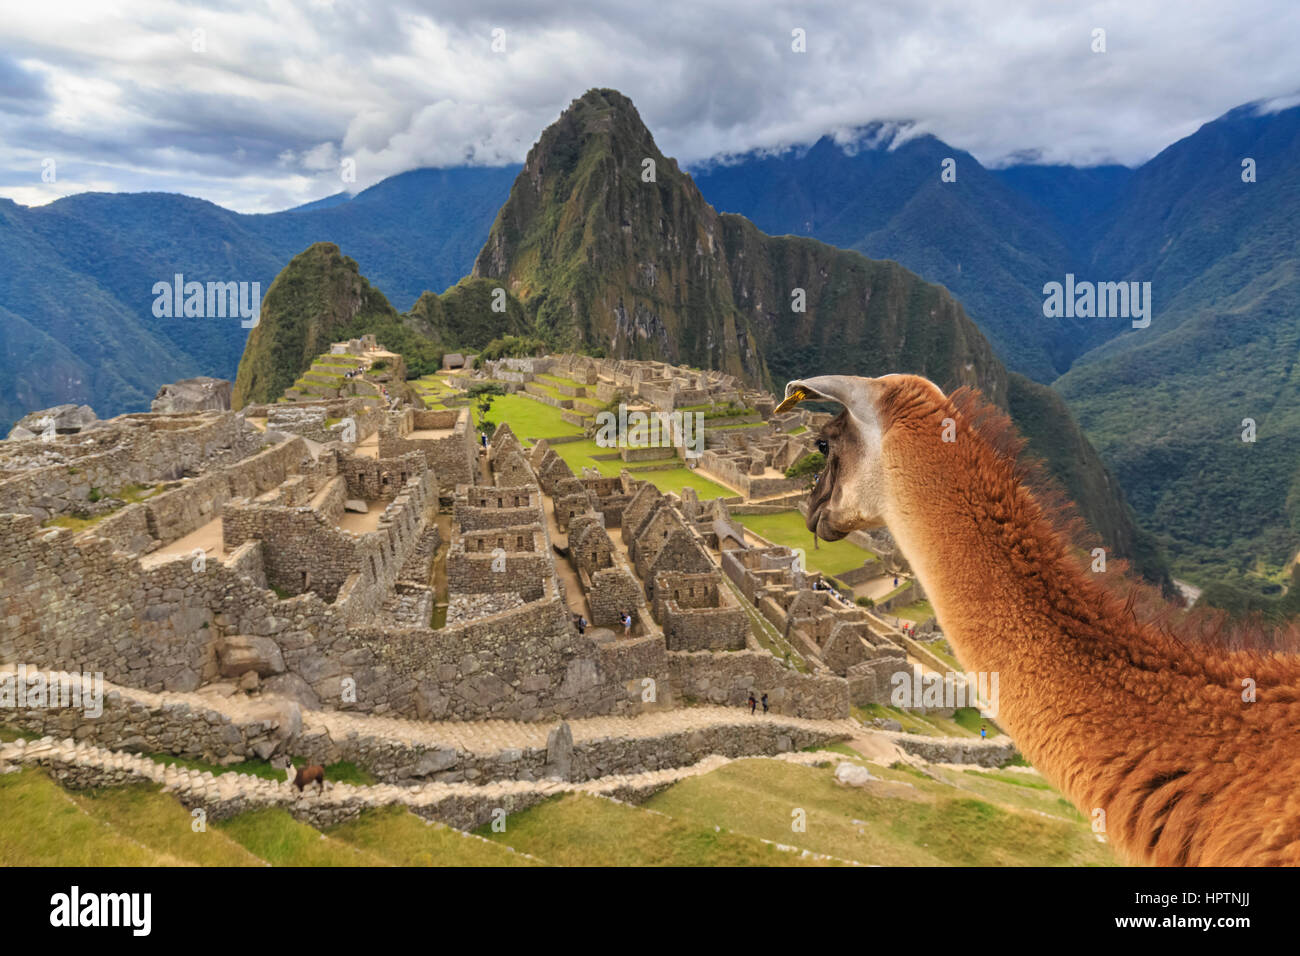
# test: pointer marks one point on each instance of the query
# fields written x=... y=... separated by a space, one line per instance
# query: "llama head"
x=852 y=490
x=285 y=763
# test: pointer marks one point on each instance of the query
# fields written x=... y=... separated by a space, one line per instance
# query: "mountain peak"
x=601 y=120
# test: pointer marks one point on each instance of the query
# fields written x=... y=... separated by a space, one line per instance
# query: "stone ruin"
x=201 y=394
x=826 y=630
x=404 y=574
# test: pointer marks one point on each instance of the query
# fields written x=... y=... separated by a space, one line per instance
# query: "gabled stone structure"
x=444 y=437
x=698 y=612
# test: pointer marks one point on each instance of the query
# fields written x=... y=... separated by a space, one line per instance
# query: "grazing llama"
x=1189 y=752
x=302 y=776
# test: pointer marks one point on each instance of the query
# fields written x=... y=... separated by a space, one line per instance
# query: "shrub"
x=810 y=464
x=510 y=346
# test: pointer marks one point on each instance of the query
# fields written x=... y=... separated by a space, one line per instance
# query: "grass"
x=142 y=812
x=964 y=723
x=578 y=455
x=128 y=495
x=341 y=772
x=676 y=479
x=970 y=719
x=582 y=830
x=281 y=840
x=940 y=649
x=560 y=380
x=787 y=528
x=42 y=825
x=928 y=823
x=918 y=612
x=404 y=839
x=1016 y=780
x=530 y=419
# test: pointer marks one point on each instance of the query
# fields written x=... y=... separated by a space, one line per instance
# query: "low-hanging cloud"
x=257 y=106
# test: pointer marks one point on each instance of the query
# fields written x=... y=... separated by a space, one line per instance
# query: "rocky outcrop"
x=193 y=395
x=240 y=653
x=66 y=420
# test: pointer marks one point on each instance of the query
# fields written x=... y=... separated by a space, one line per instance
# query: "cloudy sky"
x=254 y=104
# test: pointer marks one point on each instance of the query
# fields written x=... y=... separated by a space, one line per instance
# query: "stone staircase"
x=208 y=726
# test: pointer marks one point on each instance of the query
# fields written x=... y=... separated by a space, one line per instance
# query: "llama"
x=302 y=776
x=1188 y=754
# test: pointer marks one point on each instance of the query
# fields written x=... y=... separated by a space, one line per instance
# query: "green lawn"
x=679 y=478
x=918 y=612
x=923 y=823
x=142 y=812
x=787 y=528
x=41 y=825
x=530 y=419
x=965 y=722
x=581 y=830
x=404 y=839
x=281 y=840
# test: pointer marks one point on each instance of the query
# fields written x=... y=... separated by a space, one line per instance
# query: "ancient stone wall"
x=141 y=449
x=376 y=479
x=613 y=592
x=698 y=614
x=728 y=678
x=451 y=457
x=161 y=634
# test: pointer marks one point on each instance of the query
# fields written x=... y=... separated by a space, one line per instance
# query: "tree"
x=481 y=395
x=810 y=464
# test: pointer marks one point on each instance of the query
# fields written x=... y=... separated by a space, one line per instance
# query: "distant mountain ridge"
x=607 y=244
x=76 y=276
x=1221 y=254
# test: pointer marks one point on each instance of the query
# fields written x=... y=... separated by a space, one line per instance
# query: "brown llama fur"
x=313 y=773
x=1130 y=706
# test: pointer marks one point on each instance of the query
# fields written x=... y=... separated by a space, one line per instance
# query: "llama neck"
x=1080 y=685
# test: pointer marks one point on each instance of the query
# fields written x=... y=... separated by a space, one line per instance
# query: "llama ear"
x=851 y=391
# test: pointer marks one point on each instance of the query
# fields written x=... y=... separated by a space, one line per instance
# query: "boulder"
x=286 y=715
x=853 y=775
x=435 y=761
x=294 y=688
x=199 y=394
x=241 y=653
x=67 y=420
x=559 y=753
x=357 y=505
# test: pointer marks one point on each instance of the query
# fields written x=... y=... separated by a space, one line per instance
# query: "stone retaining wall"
x=728 y=678
x=142 y=449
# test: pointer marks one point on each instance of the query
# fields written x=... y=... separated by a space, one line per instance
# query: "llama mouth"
x=819 y=522
x=825 y=531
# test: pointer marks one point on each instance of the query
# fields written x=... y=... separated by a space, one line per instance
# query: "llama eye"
x=823 y=446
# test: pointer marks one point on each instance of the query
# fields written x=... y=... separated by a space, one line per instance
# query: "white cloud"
x=281 y=91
